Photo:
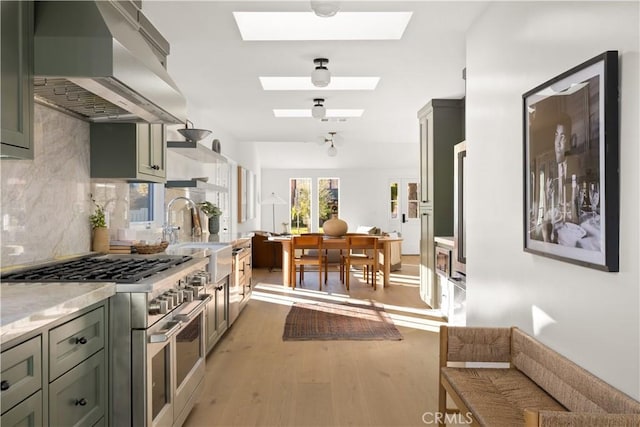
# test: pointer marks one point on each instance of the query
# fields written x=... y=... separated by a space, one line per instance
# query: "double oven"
x=156 y=331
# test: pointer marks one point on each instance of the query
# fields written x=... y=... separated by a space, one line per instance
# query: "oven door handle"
x=187 y=317
x=167 y=334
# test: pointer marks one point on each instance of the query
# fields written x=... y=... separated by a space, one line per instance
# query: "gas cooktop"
x=118 y=269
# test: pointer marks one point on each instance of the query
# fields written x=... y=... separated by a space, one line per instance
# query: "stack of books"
x=120 y=246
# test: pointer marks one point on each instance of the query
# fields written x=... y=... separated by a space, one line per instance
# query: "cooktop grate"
x=97 y=269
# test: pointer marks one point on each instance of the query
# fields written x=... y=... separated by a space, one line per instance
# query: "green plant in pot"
x=213 y=213
x=100 y=232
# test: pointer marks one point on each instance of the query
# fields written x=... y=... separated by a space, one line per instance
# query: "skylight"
x=306 y=112
x=307 y=26
x=304 y=83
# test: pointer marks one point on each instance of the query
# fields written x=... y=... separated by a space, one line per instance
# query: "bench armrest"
x=555 y=418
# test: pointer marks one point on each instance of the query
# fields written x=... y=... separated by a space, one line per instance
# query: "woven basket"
x=151 y=249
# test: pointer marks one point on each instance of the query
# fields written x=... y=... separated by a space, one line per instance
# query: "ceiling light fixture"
x=321 y=77
x=304 y=83
x=333 y=139
x=318 y=111
x=332 y=151
x=325 y=8
x=306 y=113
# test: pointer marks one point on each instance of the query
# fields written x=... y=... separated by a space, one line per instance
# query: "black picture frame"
x=571 y=165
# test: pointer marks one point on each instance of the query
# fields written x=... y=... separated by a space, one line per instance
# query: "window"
x=394 y=200
x=328 y=199
x=300 y=205
x=403 y=197
x=141 y=202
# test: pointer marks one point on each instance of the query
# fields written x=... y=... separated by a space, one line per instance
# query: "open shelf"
x=196 y=183
x=196 y=151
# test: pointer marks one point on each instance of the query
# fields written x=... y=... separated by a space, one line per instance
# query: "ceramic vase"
x=335 y=227
x=214 y=224
x=100 y=241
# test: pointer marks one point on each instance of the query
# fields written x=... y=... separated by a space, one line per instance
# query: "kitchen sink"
x=220 y=254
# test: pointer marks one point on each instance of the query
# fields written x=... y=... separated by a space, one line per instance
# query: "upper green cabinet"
x=17 y=79
x=132 y=151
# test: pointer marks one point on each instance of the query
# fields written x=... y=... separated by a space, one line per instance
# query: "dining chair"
x=362 y=251
x=300 y=246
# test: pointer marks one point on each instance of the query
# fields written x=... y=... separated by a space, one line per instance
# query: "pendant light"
x=318 y=111
x=332 y=151
x=325 y=8
x=321 y=77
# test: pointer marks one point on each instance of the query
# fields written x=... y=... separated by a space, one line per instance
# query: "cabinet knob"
x=219 y=288
x=81 y=402
x=81 y=340
x=155 y=167
x=4 y=385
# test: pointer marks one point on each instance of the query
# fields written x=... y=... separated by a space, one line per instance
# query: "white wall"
x=364 y=194
x=238 y=154
x=592 y=317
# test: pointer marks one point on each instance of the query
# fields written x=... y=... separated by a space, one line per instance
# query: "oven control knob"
x=196 y=291
x=158 y=306
x=173 y=297
x=167 y=300
x=188 y=294
x=199 y=280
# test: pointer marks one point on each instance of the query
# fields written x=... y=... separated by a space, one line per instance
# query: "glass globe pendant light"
x=321 y=77
x=318 y=111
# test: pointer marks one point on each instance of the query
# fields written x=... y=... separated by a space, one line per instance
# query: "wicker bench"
x=539 y=387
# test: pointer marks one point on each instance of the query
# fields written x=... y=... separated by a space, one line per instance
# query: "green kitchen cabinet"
x=441 y=123
x=131 y=151
x=16 y=64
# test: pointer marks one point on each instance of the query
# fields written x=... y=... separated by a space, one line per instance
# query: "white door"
x=404 y=215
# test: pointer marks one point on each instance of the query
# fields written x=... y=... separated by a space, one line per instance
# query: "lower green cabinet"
x=78 y=397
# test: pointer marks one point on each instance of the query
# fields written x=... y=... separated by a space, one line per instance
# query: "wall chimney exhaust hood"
x=90 y=58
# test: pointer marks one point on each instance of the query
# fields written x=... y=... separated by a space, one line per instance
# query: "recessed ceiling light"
x=306 y=112
x=308 y=26
x=304 y=83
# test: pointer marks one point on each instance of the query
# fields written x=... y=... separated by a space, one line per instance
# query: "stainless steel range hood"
x=91 y=58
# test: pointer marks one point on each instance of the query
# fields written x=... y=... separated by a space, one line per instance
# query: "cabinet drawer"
x=71 y=343
x=21 y=372
x=78 y=398
x=28 y=413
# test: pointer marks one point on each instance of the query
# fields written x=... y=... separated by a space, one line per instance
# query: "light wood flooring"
x=253 y=378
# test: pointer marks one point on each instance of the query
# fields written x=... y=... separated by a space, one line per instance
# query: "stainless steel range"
x=157 y=330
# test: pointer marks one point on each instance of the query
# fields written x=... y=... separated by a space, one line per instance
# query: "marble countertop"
x=26 y=307
x=444 y=240
x=229 y=238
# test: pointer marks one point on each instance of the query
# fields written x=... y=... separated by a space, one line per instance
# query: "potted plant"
x=100 y=232
x=213 y=213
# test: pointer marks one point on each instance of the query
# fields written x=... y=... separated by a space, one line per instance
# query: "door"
x=404 y=215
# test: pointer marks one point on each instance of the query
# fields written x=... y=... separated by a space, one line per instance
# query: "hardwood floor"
x=253 y=378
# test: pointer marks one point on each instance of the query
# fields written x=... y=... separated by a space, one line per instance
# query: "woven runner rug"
x=335 y=321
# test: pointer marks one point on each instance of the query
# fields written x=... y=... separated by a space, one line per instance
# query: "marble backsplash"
x=46 y=201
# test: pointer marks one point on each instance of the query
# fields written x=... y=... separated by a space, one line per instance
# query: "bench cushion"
x=498 y=397
x=574 y=387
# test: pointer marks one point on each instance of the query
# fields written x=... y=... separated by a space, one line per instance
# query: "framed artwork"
x=570 y=163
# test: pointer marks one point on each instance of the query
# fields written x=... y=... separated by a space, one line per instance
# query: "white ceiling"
x=218 y=74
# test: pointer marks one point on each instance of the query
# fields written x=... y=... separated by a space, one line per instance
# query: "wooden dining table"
x=337 y=243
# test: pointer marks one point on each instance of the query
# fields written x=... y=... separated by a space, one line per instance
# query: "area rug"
x=335 y=321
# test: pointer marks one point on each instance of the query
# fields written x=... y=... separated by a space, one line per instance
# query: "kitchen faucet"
x=169 y=232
